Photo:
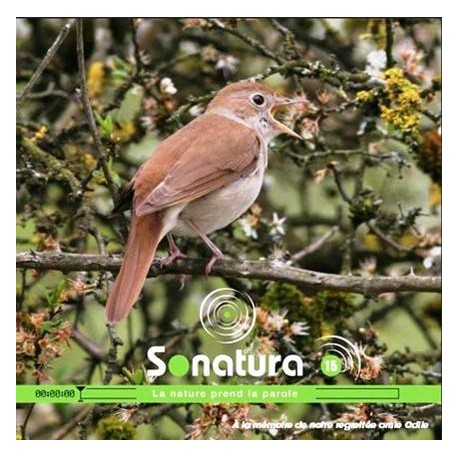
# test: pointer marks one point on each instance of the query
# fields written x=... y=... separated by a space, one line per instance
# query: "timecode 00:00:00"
x=44 y=393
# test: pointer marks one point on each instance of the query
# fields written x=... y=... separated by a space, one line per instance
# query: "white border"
x=237 y=8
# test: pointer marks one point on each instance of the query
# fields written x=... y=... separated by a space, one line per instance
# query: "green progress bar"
x=276 y=394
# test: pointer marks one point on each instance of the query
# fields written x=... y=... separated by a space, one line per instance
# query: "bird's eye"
x=258 y=99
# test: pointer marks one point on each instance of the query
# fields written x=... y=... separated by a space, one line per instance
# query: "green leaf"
x=53 y=297
x=48 y=326
x=105 y=124
x=119 y=74
x=121 y=70
x=114 y=175
x=136 y=378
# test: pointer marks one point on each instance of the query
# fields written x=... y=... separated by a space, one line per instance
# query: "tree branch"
x=260 y=270
x=44 y=63
x=258 y=46
x=88 y=110
x=55 y=167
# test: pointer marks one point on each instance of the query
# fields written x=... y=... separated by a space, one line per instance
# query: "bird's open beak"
x=285 y=101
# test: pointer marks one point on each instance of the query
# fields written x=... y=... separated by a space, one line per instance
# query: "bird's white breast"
x=223 y=206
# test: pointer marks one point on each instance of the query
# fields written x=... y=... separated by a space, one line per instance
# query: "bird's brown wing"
x=219 y=152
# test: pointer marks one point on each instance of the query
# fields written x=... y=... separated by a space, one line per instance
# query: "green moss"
x=335 y=305
x=324 y=313
x=284 y=296
x=365 y=206
x=51 y=165
x=300 y=307
x=112 y=428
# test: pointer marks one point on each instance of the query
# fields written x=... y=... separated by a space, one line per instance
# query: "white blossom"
x=277 y=319
x=277 y=225
x=196 y=110
x=248 y=228
x=228 y=64
x=433 y=258
x=369 y=265
x=167 y=87
x=299 y=328
x=376 y=62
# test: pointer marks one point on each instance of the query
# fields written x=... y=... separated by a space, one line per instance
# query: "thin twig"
x=66 y=429
x=50 y=91
x=147 y=416
x=20 y=302
x=312 y=220
x=281 y=28
x=175 y=61
x=314 y=246
x=26 y=421
x=388 y=240
x=389 y=42
x=115 y=342
x=347 y=260
x=95 y=231
x=46 y=60
x=177 y=338
x=421 y=325
x=137 y=54
x=261 y=270
x=247 y=39
x=338 y=181
x=88 y=109
x=433 y=117
x=89 y=346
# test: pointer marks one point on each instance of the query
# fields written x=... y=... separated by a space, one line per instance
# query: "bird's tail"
x=144 y=237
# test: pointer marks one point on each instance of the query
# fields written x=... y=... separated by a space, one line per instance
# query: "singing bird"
x=199 y=180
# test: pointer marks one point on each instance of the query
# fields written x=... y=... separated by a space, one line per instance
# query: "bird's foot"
x=216 y=257
x=217 y=253
x=175 y=254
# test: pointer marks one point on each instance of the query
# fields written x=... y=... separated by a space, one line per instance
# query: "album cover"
x=228 y=228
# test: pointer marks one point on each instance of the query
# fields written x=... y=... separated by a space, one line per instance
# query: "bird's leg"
x=217 y=253
x=174 y=252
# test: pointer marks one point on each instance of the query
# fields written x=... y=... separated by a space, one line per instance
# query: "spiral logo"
x=340 y=351
x=228 y=315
